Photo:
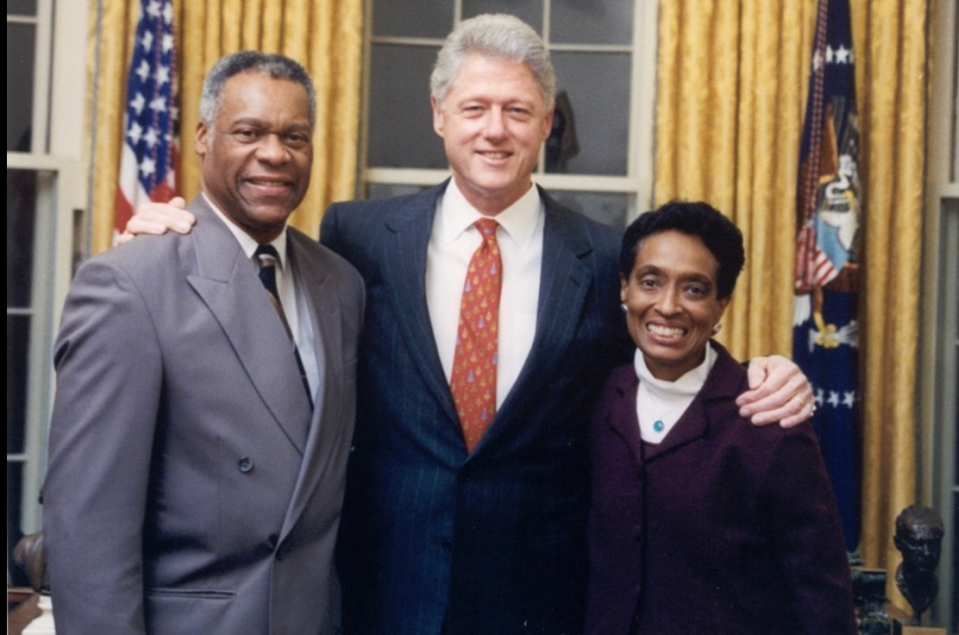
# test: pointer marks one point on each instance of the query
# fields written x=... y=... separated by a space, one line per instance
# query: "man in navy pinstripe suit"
x=435 y=539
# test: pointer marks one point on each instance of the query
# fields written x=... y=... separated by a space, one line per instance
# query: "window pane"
x=591 y=22
x=609 y=209
x=21 y=212
x=412 y=18
x=529 y=11
x=596 y=86
x=21 y=7
x=18 y=341
x=20 y=52
x=401 y=121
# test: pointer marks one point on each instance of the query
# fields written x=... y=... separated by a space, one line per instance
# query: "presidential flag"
x=829 y=214
x=149 y=157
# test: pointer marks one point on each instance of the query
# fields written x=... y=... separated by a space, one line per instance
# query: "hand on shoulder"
x=158 y=218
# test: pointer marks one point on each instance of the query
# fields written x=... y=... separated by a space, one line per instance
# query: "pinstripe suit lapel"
x=408 y=236
x=564 y=283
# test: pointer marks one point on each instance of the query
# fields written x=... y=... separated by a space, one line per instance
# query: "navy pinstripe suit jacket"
x=437 y=541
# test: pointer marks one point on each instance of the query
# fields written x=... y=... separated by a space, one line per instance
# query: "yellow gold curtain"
x=729 y=117
x=323 y=35
x=730 y=103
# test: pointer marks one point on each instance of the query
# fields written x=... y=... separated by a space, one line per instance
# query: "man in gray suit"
x=202 y=422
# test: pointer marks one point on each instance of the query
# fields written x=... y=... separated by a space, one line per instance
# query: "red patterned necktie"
x=473 y=383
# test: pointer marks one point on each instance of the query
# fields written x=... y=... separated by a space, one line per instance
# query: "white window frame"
x=56 y=154
x=938 y=372
x=637 y=184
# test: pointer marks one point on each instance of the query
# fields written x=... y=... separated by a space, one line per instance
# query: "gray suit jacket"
x=191 y=489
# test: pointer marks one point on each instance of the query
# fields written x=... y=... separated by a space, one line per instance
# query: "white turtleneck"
x=660 y=403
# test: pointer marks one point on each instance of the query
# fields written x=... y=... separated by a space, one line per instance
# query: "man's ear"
x=201 y=139
x=438 y=116
x=548 y=123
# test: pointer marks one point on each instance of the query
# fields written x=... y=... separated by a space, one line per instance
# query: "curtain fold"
x=323 y=35
x=731 y=93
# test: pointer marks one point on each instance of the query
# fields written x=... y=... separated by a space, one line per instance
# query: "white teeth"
x=496 y=155
x=664 y=331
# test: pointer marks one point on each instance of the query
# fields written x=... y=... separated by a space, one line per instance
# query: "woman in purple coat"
x=701 y=522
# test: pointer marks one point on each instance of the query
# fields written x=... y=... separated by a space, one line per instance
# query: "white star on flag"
x=147 y=167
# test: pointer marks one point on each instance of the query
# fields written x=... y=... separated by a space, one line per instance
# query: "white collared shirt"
x=452 y=243
x=301 y=324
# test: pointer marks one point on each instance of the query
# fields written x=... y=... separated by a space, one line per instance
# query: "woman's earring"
x=717 y=328
x=623 y=306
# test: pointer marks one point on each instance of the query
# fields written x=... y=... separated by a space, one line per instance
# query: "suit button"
x=448 y=545
x=245 y=464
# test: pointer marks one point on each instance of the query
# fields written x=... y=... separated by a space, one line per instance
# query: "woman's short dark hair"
x=700 y=220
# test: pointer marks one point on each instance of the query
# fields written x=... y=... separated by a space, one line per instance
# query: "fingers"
x=779 y=392
x=769 y=375
x=125 y=237
x=791 y=399
x=158 y=218
x=805 y=412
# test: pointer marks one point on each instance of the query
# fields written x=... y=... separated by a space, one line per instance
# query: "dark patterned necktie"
x=267 y=257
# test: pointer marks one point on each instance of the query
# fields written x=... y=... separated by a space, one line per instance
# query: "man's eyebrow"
x=260 y=123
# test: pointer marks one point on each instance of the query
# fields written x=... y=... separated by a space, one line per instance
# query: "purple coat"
x=721 y=528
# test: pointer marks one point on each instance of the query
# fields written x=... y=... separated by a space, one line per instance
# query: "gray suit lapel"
x=228 y=284
x=326 y=429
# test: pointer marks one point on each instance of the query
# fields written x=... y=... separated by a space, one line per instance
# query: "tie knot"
x=266 y=255
x=487 y=228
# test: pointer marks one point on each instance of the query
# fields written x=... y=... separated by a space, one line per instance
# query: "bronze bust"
x=919 y=533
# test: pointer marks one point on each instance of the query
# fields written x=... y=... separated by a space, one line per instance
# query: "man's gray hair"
x=496 y=35
x=273 y=65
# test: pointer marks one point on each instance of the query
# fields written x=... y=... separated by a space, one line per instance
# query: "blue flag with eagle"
x=829 y=213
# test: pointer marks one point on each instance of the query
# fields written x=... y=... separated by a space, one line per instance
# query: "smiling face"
x=671 y=302
x=493 y=121
x=255 y=163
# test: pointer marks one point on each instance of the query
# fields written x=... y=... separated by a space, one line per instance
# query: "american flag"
x=149 y=157
x=829 y=215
